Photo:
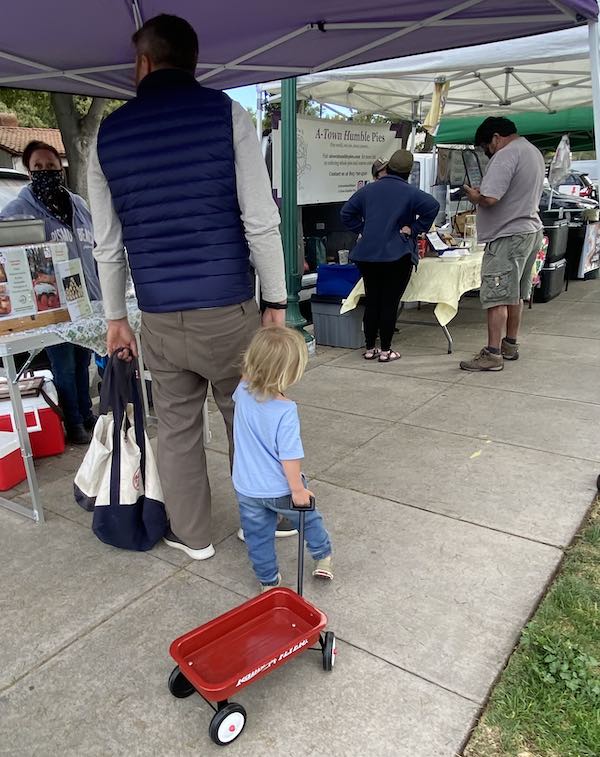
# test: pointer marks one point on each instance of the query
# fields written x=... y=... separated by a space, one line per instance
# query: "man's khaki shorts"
x=506 y=269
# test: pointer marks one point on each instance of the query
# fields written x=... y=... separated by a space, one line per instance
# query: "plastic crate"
x=333 y=329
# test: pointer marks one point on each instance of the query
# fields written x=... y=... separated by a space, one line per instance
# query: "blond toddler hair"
x=275 y=360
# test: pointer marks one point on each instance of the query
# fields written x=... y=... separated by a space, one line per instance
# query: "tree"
x=252 y=113
x=78 y=131
x=370 y=118
x=78 y=119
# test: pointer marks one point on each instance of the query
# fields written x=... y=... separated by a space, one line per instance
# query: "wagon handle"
x=301 y=510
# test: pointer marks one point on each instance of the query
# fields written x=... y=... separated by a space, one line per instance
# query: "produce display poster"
x=28 y=284
x=72 y=284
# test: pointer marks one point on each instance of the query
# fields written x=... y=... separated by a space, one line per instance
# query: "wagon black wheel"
x=179 y=685
x=227 y=724
x=329 y=650
x=598 y=483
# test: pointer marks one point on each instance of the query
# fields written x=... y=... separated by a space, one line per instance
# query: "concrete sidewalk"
x=450 y=497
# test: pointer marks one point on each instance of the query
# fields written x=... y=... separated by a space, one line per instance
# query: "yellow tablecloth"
x=439 y=281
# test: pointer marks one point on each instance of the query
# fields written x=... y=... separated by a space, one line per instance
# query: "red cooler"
x=45 y=428
x=12 y=468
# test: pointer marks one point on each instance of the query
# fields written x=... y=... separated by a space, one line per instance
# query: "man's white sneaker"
x=284 y=528
x=196 y=554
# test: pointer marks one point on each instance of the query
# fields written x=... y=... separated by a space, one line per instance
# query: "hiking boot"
x=324 y=568
x=510 y=351
x=485 y=361
x=268 y=587
x=79 y=435
x=196 y=554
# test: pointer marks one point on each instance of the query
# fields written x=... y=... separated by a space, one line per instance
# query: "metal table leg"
x=142 y=369
x=427 y=323
x=35 y=512
x=448 y=337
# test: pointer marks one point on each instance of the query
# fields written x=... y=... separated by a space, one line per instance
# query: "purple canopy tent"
x=84 y=47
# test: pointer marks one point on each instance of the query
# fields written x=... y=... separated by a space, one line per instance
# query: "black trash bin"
x=575 y=242
x=558 y=234
x=552 y=278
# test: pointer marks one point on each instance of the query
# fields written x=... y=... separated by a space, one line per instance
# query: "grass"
x=547 y=702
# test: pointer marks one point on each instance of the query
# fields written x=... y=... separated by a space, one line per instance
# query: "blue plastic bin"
x=335 y=280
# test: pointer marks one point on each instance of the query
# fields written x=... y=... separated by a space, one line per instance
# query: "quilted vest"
x=169 y=161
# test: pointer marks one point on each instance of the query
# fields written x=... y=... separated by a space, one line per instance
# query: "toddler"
x=268 y=453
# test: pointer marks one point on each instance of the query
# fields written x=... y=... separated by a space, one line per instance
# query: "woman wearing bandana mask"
x=67 y=219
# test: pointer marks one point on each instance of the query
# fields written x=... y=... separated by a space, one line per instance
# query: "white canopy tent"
x=546 y=73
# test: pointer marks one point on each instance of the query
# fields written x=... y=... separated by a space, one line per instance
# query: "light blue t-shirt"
x=265 y=433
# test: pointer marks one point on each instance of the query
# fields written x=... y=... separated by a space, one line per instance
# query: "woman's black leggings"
x=384 y=286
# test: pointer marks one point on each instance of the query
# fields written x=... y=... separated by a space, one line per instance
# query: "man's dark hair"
x=169 y=42
x=37 y=145
x=494 y=125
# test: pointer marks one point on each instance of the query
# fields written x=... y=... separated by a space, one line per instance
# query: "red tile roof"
x=14 y=139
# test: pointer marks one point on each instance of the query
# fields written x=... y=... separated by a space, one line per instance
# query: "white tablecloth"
x=88 y=332
x=436 y=280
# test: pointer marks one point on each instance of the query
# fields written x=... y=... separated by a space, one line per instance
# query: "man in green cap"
x=389 y=214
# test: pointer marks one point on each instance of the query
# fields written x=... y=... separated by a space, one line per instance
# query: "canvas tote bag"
x=118 y=478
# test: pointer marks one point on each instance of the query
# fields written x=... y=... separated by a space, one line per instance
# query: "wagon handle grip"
x=302 y=513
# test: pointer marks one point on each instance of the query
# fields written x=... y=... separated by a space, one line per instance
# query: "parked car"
x=577 y=184
x=561 y=200
x=11 y=183
x=566 y=206
x=588 y=167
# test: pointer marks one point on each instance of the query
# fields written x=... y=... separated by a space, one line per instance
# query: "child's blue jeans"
x=259 y=522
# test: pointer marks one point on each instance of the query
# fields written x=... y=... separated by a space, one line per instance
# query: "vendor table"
x=444 y=282
x=87 y=332
x=436 y=280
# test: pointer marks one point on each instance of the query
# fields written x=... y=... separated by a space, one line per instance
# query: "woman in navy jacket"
x=388 y=214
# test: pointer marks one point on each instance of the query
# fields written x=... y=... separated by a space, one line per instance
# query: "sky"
x=244 y=95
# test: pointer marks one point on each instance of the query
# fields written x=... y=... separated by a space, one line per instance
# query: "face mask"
x=47 y=182
x=48 y=187
x=488 y=149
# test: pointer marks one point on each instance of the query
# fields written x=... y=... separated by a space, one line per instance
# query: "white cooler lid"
x=9 y=443
x=31 y=403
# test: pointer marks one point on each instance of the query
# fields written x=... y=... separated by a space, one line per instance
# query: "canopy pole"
x=289 y=205
x=595 y=61
x=413 y=130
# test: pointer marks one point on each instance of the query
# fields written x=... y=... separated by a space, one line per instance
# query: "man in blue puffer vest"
x=179 y=182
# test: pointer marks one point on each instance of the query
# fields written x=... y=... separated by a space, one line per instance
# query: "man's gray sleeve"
x=108 y=234
x=260 y=215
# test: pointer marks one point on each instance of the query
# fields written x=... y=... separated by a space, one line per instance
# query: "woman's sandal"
x=389 y=356
x=372 y=354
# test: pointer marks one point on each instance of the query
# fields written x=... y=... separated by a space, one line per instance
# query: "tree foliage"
x=78 y=119
x=31 y=108
x=34 y=109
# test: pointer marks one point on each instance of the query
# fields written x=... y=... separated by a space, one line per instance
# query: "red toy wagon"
x=219 y=658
